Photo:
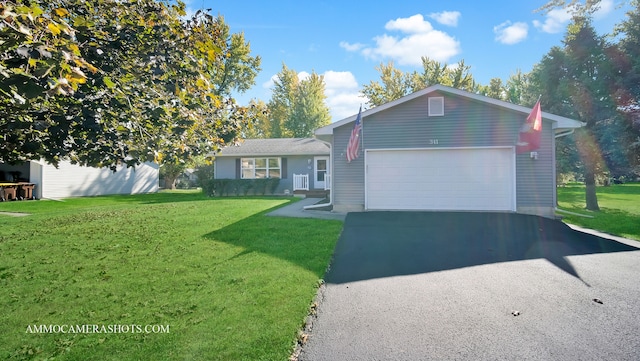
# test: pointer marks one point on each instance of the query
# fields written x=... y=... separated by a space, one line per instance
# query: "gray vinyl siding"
x=296 y=164
x=535 y=179
x=225 y=168
x=347 y=190
x=466 y=123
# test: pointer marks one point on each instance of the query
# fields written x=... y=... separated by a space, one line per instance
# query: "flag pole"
x=361 y=129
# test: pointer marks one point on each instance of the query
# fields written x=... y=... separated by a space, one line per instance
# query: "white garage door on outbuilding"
x=461 y=179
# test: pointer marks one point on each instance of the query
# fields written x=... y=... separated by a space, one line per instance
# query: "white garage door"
x=466 y=179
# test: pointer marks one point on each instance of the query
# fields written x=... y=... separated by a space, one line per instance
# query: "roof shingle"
x=276 y=147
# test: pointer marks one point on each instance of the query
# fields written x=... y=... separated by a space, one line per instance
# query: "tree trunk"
x=590 y=191
x=170 y=181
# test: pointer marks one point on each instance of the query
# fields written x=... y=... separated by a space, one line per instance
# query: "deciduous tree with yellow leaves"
x=107 y=82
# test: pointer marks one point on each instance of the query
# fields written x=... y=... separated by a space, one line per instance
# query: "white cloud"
x=605 y=7
x=344 y=104
x=420 y=40
x=555 y=21
x=343 y=94
x=303 y=75
x=269 y=83
x=508 y=33
x=339 y=80
x=409 y=50
x=351 y=47
x=410 y=25
x=449 y=18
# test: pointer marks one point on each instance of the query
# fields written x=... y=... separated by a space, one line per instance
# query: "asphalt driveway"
x=476 y=286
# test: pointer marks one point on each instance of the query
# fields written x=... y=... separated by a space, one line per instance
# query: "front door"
x=320 y=171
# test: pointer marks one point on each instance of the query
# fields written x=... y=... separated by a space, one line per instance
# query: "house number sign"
x=433 y=141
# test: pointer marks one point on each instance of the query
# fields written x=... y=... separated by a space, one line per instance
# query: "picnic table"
x=16 y=190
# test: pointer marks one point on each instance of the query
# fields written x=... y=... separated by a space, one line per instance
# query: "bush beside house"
x=238 y=187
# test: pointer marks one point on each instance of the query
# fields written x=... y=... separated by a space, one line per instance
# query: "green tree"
x=297 y=107
x=282 y=100
x=309 y=108
x=589 y=90
x=495 y=89
x=460 y=77
x=548 y=78
x=577 y=80
x=260 y=126
x=516 y=87
x=394 y=84
x=234 y=71
x=107 y=90
x=625 y=59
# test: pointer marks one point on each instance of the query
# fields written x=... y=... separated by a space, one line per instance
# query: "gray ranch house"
x=444 y=149
x=302 y=164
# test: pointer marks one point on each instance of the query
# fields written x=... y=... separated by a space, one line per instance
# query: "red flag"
x=529 y=137
x=354 y=140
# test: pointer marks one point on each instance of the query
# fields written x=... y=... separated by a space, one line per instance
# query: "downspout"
x=313 y=206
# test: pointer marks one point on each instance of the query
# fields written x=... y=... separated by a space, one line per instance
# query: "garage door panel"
x=451 y=179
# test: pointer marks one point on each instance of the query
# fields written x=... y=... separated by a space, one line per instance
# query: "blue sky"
x=346 y=40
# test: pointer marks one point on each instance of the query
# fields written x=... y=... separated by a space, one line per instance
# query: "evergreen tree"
x=625 y=59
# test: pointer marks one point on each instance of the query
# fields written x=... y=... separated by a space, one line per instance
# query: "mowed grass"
x=229 y=282
x=619 y=208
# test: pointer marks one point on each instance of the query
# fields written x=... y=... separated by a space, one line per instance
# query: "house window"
x=252 y=168
x=436 y=106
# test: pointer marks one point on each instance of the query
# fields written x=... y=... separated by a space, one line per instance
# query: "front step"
x=313 y=193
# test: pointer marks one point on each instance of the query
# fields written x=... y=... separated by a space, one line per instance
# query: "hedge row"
x=238 y=187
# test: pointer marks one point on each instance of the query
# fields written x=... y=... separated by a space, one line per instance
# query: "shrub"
x=237 y=187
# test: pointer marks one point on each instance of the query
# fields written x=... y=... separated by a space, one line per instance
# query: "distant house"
x=444 y=149
x=284 y=158
x=70 y=180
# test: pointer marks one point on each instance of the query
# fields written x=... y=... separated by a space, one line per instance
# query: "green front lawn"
x=619 y=208
x=229 y=282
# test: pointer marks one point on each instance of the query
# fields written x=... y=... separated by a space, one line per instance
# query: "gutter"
x=313 y=206
x=568 y=132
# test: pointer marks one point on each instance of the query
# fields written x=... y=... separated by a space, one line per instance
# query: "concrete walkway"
x=297 y=210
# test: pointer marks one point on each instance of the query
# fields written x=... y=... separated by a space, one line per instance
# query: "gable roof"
x=276 y=147
x=560 y=123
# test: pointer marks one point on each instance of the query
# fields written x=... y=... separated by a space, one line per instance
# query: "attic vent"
x=436 y=106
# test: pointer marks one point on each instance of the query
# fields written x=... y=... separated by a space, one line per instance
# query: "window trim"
x=267 y=168
x=439 y=105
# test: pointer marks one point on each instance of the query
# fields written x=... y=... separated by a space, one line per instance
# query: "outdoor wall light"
x=534 y=155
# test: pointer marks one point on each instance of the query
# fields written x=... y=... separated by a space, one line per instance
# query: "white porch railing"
x=327 y=182
x=300 y=182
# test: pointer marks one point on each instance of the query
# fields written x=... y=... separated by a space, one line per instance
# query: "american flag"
x=354 y=141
